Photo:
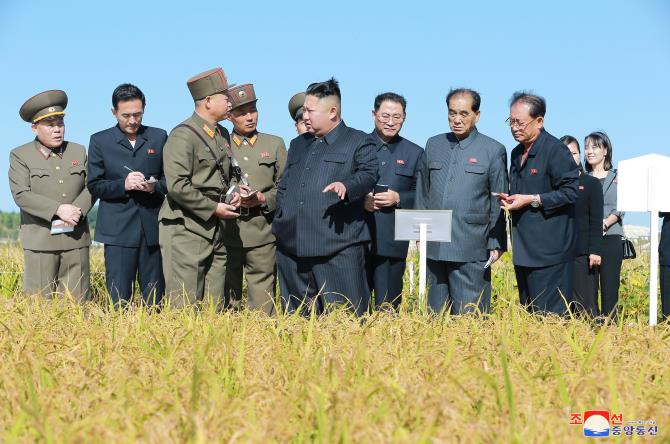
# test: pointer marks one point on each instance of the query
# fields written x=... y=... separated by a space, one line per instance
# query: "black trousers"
x=125 y=264
x=324 y=282
x=545 y=289
x=609 y=274
x=385 y=278
x=665 y=290
x=585 y=286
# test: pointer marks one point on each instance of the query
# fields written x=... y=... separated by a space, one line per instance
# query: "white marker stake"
x=411 y=277
x=653 y=253
x=423 y=235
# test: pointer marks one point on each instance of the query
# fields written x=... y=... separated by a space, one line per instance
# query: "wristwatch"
x=535 y=203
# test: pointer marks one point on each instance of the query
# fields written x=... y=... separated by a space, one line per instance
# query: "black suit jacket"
x=589 y=214
x=546 y=235
x=124 y=215
x=664 y=244
x=400 y=176
x=310 y=223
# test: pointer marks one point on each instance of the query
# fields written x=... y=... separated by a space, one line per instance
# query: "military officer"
x=398 y=164
x=198 y=173
x=249 y=241
x=47 y=177
x=295 y=109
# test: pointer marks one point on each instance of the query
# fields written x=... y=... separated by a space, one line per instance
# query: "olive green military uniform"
x=42 y=179
x=249 y=239
x=190 y=235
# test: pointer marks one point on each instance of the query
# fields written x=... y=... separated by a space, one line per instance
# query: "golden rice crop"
x=88 y=374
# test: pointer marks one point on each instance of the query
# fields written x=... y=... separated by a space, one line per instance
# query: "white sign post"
x=424 y=226
x=643 y=185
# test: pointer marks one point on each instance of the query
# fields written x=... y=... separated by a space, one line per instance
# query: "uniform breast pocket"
x=205 y=158
x=334 y=163
x=476 y=173
x=476 y=169
x=404 y=175
x=152 y=165
x=39 y=179
x=78 y=170
x=435 y=169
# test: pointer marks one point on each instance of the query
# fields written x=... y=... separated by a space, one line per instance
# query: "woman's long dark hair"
x=600 y=138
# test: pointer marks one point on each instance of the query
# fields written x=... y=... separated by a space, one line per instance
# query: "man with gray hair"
x=461 y=171
x=544 y=182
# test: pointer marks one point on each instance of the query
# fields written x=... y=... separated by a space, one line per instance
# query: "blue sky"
x=601 y=65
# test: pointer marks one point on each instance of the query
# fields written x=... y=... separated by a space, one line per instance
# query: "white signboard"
x=424 y=226
x=644 y=185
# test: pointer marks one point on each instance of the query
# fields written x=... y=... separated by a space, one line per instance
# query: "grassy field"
x=91 y=374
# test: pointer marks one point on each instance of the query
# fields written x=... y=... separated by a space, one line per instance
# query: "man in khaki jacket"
x=249 y=239
x=198 y=171
x=47 y=177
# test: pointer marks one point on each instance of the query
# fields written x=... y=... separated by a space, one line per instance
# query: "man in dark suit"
x=398 y=160
x=125 y=171
x=459 y=171
x=544 y=182
x=664 y=259
x=320 y=220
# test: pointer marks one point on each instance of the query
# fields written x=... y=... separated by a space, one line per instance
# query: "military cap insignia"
x=400 y=162
x=533 y=171
x=75 y=163
x=472 y=160
x=265 y=155
x=52 y=109
x=242 y=94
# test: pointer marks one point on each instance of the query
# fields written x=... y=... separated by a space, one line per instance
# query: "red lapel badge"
x=265 y=155
x=581 y=188
x=400 y=162
x=472 y=160
x=533 y=171
x=75 y=163
x=151 y=151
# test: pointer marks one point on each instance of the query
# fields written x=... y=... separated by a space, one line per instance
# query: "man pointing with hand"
x=320 y=221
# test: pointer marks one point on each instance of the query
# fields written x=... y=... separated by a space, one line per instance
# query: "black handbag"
x=628 y=249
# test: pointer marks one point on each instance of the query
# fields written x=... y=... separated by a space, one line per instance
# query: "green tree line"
x=10 y=223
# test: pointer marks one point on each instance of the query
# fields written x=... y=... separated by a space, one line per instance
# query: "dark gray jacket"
x=460 y=177
x=609 y=200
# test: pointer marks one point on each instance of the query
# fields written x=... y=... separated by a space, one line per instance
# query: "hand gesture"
x=336 y=187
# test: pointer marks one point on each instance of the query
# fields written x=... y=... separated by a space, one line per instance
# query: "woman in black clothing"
x=589 y=215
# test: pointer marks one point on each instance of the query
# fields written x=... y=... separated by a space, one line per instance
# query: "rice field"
x=93 y=374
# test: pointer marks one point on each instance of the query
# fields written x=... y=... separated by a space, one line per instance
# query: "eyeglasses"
x=385 y=118
x=517 y=123
x=136 y=116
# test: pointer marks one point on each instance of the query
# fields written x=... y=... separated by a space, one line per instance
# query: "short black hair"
x=298 y=115
x=476 y=98
x=391 y=97
x=568 y=139
x=127 y=91
x=324 y=89
x=536 y=104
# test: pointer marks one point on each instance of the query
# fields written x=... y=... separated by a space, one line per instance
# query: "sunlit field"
x=88 y=374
